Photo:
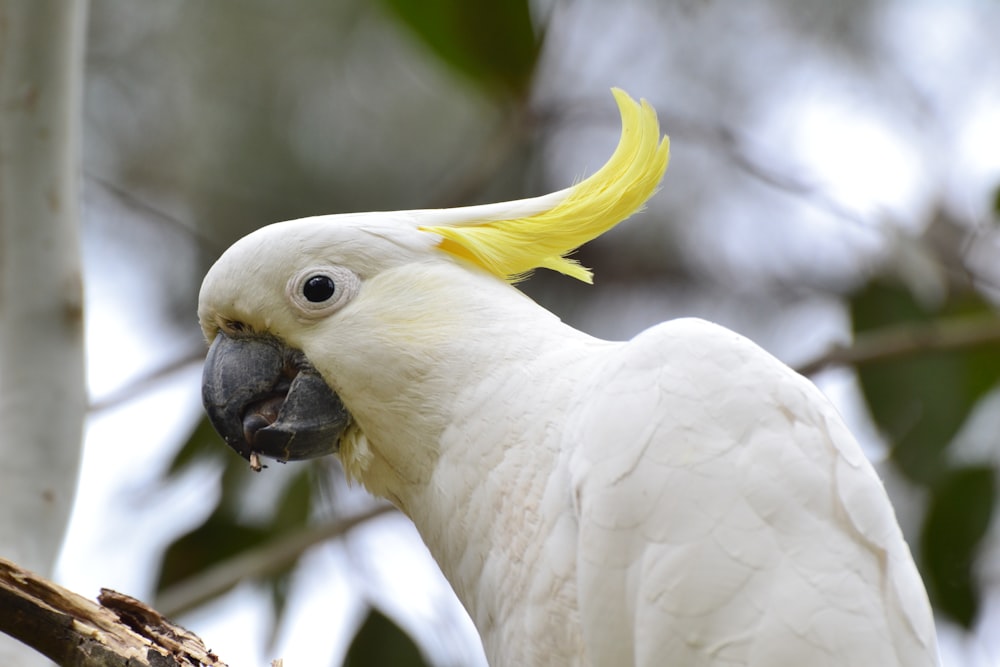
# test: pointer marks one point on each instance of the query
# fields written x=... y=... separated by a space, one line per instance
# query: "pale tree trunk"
x=42 y=390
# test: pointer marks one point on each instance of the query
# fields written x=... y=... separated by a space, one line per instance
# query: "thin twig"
x=908 y=340
x=134 y=387
x=144 y=207
x=259 y=562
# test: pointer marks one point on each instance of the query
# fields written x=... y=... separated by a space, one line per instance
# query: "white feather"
x=727 y=517
x=680 y=499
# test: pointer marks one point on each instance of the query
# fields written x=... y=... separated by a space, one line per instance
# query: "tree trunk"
x=42 y=384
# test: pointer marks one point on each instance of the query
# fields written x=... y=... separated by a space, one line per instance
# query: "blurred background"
x=832 y=195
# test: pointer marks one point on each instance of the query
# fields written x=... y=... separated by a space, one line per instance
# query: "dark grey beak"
x=266 y=399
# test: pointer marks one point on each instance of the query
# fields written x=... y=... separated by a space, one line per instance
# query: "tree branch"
x=137 y=385
x=906 y=340
x=256 y=563
x=76 y=632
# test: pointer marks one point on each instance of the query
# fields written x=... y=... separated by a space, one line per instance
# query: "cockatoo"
x=681 y=499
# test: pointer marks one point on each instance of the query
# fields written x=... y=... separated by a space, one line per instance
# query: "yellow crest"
x=511 y=249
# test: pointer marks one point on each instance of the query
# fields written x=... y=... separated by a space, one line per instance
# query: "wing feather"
x=728 y=517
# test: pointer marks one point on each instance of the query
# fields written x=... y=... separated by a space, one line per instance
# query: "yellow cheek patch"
x=512 y=249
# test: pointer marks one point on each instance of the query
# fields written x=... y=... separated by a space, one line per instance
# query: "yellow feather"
x=511 y=249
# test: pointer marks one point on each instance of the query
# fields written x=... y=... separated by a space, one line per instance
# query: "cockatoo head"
x=300 y=315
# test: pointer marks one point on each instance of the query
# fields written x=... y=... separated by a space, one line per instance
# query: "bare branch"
x=146 y=381
x=256 y=563
x=908 y=340
x=76 y=632
x=142 y=207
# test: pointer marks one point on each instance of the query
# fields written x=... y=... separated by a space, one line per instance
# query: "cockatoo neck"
x=452 y=378
x=438 y=357
x=454 y=405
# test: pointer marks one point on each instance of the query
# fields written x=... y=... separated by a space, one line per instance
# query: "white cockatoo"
x=680 y=499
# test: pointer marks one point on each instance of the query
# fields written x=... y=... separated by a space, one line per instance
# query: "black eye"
x=318 y=289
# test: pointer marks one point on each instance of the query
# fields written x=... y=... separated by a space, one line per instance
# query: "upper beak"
x=265 y=398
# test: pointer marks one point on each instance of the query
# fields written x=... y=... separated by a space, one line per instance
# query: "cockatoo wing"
x=728 y=517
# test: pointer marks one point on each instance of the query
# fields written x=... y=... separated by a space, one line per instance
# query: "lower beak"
x=266 y=399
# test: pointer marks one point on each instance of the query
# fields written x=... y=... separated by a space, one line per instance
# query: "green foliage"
x=955 y=524
x=381 y=642
x=920 y=402
x=229 y=531
x=217 y=539
x=201 y=445
x=493 y=43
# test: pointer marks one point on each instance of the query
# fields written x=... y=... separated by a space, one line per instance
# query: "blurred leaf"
x=295 y=504
x=956 y=521
x=203 y=444
x=279 y=587
x=381 y=642
x=217 y=539
x=293 y=511
x=225 y=534
x=921 y=402
x=493 y=42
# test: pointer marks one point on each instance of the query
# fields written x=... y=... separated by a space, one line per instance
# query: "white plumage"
x=679 y=499
x=764 y=535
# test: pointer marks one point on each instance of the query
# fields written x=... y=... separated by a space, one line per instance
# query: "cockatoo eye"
x=320 y=290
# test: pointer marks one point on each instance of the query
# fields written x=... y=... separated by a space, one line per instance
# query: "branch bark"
x=907 y=340
x=257 y=563
x=75 y=632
